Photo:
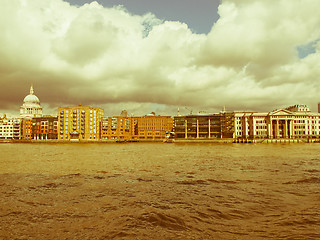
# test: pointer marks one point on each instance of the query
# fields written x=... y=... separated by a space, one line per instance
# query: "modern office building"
x=80 y=123
x=31 y=106
x=204 y=126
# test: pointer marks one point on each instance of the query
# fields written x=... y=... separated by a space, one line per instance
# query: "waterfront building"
x=10 y=128
x=26 y=128
x=204 y=126
x=80 y=123
x=151 y=127
x=31 y=106
x=116 y=128
x=44 y=128
x=292 y=122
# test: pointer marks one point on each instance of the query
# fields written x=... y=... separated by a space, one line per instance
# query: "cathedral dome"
x=31 y=99
x=31 y=106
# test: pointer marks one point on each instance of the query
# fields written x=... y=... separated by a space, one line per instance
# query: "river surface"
x=159 y=191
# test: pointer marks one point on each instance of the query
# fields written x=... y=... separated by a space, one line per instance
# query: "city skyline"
x=257 y=56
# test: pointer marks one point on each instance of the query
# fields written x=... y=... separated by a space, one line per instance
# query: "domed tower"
x=31 y=106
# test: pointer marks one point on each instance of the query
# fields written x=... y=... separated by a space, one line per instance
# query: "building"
x=80 y=123
x=31 y=106
x=204 y=126
x=123 y=127
x=151 y=127
x=44 y=128
x=293 y=122
x=10 y=128
x=116 y=128
x=26 y=125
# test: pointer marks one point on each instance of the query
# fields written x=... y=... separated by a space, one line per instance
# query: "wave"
x=164 y=220
x=193 y=182
x=306 y=180
x=312 y=171
x=222 y=181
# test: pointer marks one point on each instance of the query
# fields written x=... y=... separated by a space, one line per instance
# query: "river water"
x=159 y=191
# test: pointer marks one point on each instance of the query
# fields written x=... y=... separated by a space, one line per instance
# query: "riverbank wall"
x=225 y=140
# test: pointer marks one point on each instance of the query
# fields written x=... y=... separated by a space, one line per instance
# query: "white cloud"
x=108 y=57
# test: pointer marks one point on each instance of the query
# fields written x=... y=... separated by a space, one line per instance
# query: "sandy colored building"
x=293 y=122
x=80 y=123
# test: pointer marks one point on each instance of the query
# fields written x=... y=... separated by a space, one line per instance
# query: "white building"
x=31 y=106
x=10 y=128
x=293 y=122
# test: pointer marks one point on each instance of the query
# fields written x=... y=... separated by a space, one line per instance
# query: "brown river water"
x=159 y=191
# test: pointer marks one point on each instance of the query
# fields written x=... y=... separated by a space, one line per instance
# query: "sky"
x=157 y=56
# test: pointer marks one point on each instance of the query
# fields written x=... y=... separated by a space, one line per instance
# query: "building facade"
x=151 y=127
x=293 y=122
x=204 y=126
x=10 y=128
x=31 y=106
x=116 y=128
x=26 y=128
x=44 y=128
x=80 y=123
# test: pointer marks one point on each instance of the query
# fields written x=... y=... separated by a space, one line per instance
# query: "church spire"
x=31 y=90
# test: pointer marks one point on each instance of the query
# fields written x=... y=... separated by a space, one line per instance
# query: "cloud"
x=111 y=58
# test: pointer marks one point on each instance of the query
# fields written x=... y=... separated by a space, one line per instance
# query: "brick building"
x=44 y=128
